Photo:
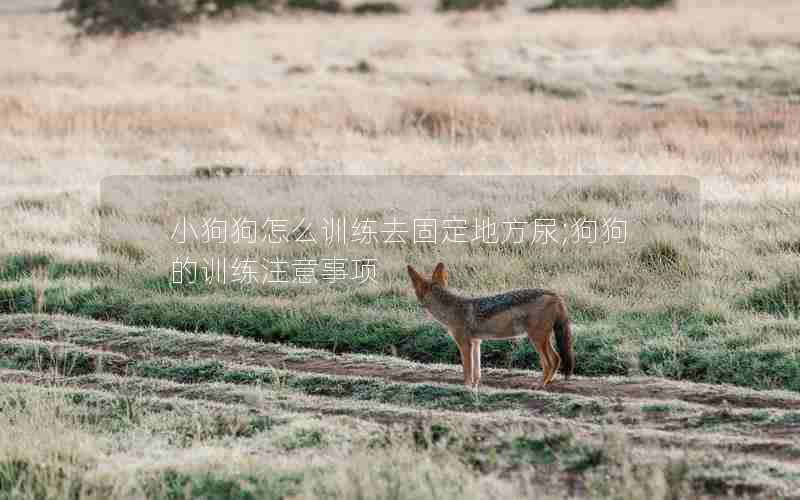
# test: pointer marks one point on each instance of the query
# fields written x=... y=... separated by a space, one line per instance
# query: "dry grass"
x=710 y=90
x=704 y=90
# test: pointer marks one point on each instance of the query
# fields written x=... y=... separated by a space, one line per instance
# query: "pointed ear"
x=418 y=282
x=414 y=275
x=440 y=274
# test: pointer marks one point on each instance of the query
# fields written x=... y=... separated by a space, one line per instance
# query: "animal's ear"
x=421 y=287
x=416 y=279
x=440 y=274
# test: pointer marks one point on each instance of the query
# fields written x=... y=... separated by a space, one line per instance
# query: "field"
x=119 y=382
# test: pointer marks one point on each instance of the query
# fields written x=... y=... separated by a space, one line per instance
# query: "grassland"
x=162 y=412
x=117 y=383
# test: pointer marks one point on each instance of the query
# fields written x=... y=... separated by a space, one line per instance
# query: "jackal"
x=533 y=312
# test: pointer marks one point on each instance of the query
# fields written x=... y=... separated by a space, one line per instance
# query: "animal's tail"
x=563 y=330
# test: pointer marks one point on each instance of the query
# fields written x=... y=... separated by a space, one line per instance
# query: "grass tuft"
x=781 y=298
x=663 y=256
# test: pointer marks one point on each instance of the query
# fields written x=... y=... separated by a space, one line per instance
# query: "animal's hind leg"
x=539 y=332
x=543 y=360
x=555 y=359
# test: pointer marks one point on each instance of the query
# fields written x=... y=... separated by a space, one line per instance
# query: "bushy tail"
x=563 y=330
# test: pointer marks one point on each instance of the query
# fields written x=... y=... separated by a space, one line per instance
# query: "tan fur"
x=532 y=312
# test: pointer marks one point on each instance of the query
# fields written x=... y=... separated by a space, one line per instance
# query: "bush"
x=604 y=4
x=447 y=119
x=465 y=5
x=97 y=17
x=377 y=8
x=218 y=170
x=93 y=17
x=66 y=5
x=329 y=6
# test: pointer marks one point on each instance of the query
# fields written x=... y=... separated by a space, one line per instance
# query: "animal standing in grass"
x=533 y=312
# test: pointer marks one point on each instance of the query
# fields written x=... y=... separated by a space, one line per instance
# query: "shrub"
x=465 y=5
x=554 y=89
x=218 y=170
x=97 y=17
x=604 y=4
x=380 y=7
x=444 y=119
x=329 y=6
x=362 y=67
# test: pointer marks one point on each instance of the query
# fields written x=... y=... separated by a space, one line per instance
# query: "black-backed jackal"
x=533 y=312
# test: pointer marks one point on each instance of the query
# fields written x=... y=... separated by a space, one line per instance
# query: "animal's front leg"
x=466 y=361
x=476 y=363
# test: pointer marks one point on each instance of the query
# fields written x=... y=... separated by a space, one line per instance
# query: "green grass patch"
x=561 y=451
x=714 y=419
x=267 y=485
x=773 y=369
x=27 y=479
x=656 y=408
x=781 y=298
x=42 y=357
x=302 y=438
x=680 y=341
x=424 y=342
x=789 y=418
x=18 y=266
x=18 y=298
x=574 y=408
